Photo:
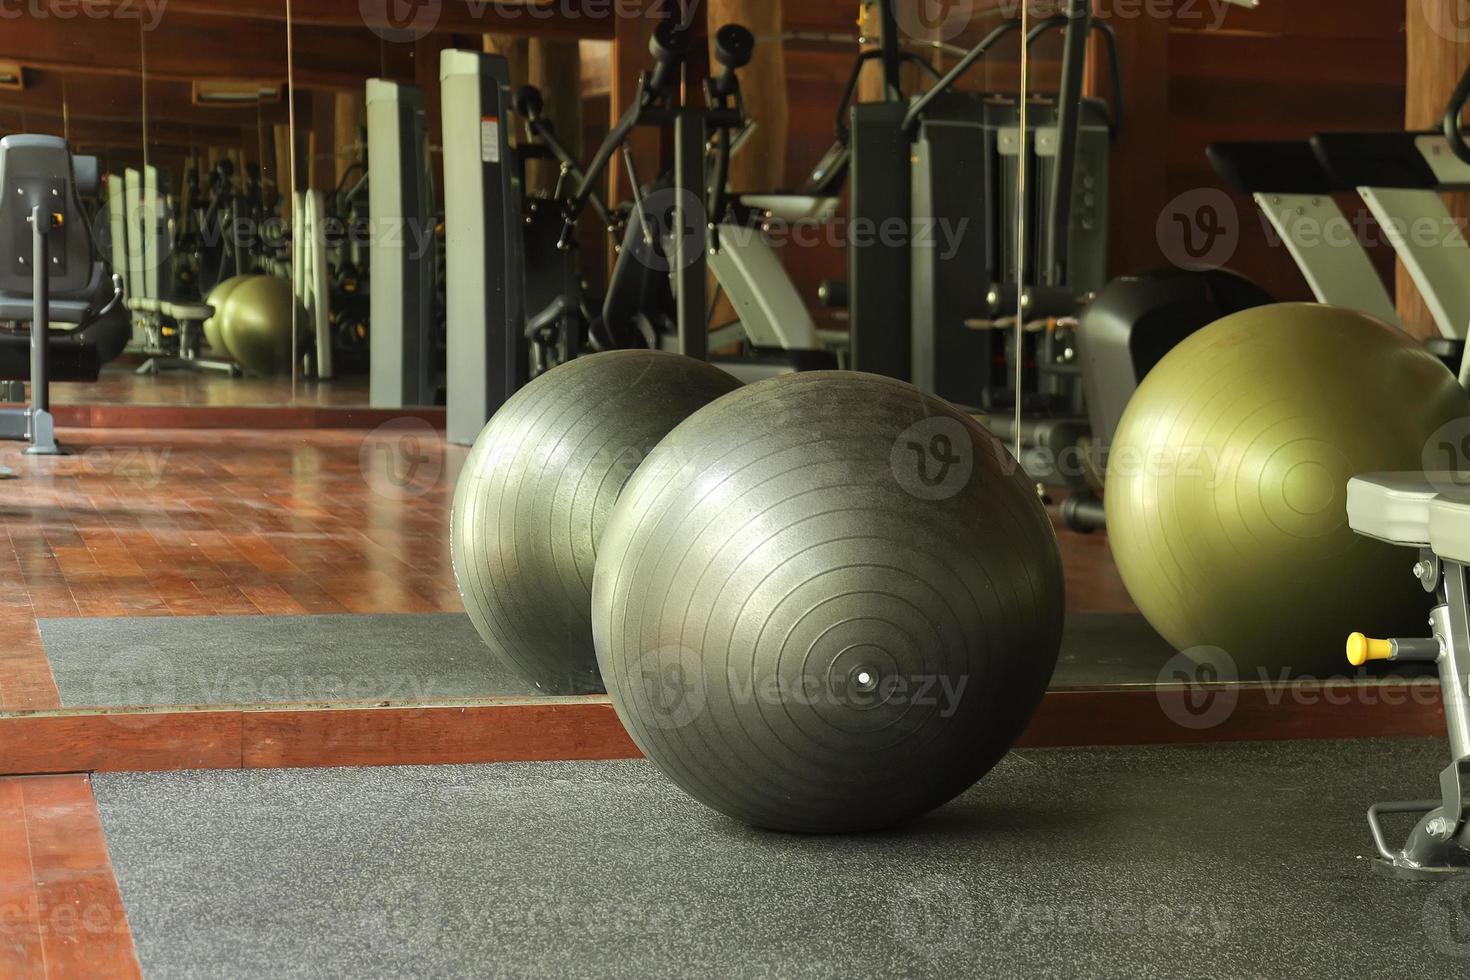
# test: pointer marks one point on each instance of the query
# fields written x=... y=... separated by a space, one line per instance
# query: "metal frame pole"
x=690 y=233
x=42 y=431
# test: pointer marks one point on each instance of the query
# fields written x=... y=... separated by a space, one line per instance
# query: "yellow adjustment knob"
x=1360 y=649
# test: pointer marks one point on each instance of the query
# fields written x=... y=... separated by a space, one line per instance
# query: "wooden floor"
x=122 y=385
x=61 y=915
x=221 y=522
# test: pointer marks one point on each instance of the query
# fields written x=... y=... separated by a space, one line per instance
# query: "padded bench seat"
x=1449 y=528
x=1401 y=508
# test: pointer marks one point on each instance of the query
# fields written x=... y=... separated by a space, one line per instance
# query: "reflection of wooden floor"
x=121 y=385
x=220 y=522
x=237 y=522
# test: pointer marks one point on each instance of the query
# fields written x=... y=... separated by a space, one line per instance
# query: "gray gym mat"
x=271 y=660
x=1104 y=649
x=278 y=659
x=1209 y=862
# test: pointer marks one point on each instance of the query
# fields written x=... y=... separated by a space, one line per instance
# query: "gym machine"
x=489 y=333
x=1400 y=177
x=949 y=324
x=311 y=282
x=919 y=314
x=406 y=363
x=1429 y=512
x=144 y=254
x=487 y=353
x=1294 y=193
x=47 y=275
x=949 y=159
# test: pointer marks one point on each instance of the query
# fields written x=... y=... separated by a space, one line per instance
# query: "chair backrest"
x=37 y=170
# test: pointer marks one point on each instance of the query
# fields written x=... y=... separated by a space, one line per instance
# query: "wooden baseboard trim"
x=588 y=729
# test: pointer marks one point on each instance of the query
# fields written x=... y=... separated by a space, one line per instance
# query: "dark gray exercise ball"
x=828 y=603
x=537 y=490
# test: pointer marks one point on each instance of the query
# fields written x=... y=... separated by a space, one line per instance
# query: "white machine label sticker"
x=490 y=140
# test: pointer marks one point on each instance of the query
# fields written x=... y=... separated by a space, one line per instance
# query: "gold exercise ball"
x=217 y=297
x=1227 y=481
x=255 y=324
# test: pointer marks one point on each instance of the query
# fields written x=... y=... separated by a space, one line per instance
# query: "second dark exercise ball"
x=536 y=492
x=828 y=603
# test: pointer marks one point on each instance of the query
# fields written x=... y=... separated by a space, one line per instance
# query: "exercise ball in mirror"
x=1227 y=482
x=536 y=492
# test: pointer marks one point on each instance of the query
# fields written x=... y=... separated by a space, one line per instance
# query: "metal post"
x=42 y=432
x=1454 y=670
x=691 y=233
x=890 y=44
x=1069 y=113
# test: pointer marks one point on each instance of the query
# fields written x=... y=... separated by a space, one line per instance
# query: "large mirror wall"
x=318 y=569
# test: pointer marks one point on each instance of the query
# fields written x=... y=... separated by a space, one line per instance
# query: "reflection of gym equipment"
x=657 y=291
x=489 y=319
x=406 y=360
x=950 y=160
x=311 y=282
x=941 y=307
x=48 y=275
x=1400 y=177
x=1429 y=512
x=1294 y=193
x=143 y=253
x=223 y=234
x=487 y=357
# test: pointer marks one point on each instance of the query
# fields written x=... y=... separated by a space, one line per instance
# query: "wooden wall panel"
x=1438 y=56
x=1271 y=73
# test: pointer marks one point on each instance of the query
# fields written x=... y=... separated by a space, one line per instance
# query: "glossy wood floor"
x=224 y=522
x=122 y=385
x=61 y=915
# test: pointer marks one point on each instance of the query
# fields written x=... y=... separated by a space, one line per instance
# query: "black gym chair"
x=50 y=280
